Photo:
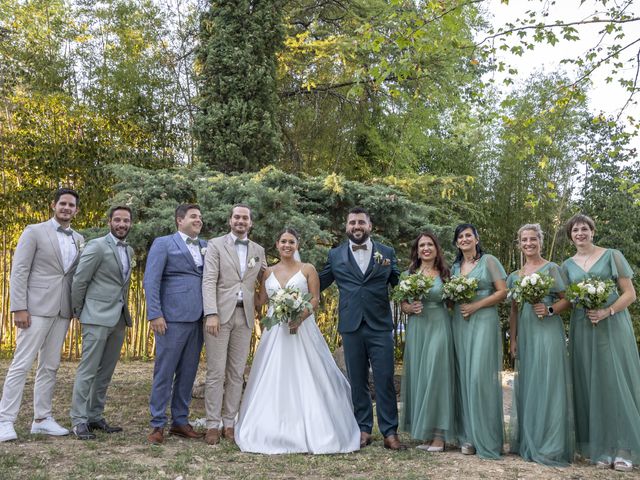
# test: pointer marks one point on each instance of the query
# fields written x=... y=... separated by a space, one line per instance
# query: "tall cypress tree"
x=237 y=125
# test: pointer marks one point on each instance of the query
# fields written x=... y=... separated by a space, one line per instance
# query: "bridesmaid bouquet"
x=591 y=293
x=412 y=287
x=286 y=305
x=531 y=289
x=460 y=289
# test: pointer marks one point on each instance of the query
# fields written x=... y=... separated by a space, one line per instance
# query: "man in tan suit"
x=232 y=266
x=43 y=266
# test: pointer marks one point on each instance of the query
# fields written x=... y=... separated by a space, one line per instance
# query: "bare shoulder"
x=308 y=269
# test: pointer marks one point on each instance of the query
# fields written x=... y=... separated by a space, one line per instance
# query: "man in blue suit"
x=173 y=288
x=363 y=271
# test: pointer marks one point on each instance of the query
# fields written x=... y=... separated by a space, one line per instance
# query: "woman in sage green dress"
x=541 y=426
x=604 y=356
x=478 y=349
x=428 y=371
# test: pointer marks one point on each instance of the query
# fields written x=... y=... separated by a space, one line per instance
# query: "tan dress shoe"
x=185 y=431
x=156 y=437
x=365 y=439
x=392 y=442
x=212 y=437
x=229 y=435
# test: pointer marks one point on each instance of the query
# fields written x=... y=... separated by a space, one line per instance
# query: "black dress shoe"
x=104 y=426
x=81 y=431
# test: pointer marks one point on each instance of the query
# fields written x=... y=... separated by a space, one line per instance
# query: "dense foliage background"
x=303 y=109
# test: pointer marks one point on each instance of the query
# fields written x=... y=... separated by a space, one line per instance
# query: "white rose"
x=591 y=289
x=525 y=281
x=599 y=289
x=459 y=288
x=534 y=279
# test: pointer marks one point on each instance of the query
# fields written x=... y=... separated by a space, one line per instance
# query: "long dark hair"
x=439 y=263
x=459 y=229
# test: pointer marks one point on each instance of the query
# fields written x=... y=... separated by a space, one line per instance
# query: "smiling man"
x=99 y=297
x=43 y=265
x=363 y=271
x=233 y=265
x=173 y=288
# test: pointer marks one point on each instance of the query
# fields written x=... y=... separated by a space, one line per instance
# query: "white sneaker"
x=7 y=432
x=48 y=426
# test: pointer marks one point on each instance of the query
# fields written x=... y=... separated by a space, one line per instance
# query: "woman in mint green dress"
x=604 y=356
x=478 y=349
x=541 y=426
x=428 y=378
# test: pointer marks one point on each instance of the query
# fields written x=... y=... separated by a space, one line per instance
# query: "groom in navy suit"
x=363 y=271
x=173 y=288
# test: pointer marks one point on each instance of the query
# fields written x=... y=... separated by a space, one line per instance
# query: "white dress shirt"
x=242 y=251
x=363 y=256
x=124 y=257
x=194 y=249
x=68 y=247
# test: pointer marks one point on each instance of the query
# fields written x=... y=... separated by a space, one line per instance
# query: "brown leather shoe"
x=392 y=442
x=229 y=434
x=212 y=436
x=185 y=431
x=156 y=437
x=365 y=439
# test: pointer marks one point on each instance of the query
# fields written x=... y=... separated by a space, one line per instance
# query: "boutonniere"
x=203 y=251
x=133 y=263
x=80 y=246
x=252 y=262
x=380 y=260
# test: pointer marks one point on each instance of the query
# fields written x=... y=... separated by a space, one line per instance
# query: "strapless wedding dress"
x=296 y=400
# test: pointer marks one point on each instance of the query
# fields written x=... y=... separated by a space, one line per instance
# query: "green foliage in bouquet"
x=591 y=293
x=412 y=287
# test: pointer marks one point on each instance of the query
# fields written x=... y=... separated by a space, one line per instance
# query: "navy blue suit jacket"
x=172 y=281
x=363 y=298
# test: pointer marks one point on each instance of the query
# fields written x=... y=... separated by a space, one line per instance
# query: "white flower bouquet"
x=591 y=293
x=531 y=288
x=460 y=289
x=412 y=287
x=286 y=305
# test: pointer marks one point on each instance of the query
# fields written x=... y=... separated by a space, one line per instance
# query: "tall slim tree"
x=236 y=126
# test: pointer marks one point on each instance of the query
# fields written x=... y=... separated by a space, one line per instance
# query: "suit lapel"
x=233 y=254
x=53 y=238
x=182 y=246
x=130 y=253
x=350 y=261
x=114 y=249
x=373 y=265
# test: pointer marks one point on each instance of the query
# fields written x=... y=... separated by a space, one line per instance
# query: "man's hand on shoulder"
x=212 y=324
x=22 y=318
x=158 y=325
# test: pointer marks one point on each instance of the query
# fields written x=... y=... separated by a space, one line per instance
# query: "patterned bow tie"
x=355 y=248
x=242 y=242
x=66 y=231
x=192 y=241
x=120 y=243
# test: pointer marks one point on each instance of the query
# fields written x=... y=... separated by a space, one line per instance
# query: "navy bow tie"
x=192 y=241
x=66 y=231
x=242 y=242
x=120 y=243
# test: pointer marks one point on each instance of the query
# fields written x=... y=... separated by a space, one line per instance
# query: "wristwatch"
x=550 y=311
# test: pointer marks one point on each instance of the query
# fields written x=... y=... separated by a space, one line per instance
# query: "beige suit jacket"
x=39 y=283
x=221 y=278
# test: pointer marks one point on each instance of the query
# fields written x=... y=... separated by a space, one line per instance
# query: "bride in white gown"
x=296 y=400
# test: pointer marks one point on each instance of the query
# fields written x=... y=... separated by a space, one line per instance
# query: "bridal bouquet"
x=412 y=287
x=460 y=289
x=286 y=305
x=591 y=293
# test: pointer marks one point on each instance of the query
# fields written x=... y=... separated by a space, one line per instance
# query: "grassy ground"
x=128 y=456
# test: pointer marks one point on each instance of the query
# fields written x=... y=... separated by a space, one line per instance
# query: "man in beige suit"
x=43 y=266
x=232 y=266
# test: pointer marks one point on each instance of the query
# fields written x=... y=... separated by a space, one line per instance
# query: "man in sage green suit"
x=99 y=298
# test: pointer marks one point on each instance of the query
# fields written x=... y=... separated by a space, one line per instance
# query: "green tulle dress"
x=541 y=425
x=606 y=371
x=478 y=360
x=428 y=377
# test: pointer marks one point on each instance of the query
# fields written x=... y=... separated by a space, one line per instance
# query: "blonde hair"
x=535 y=227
